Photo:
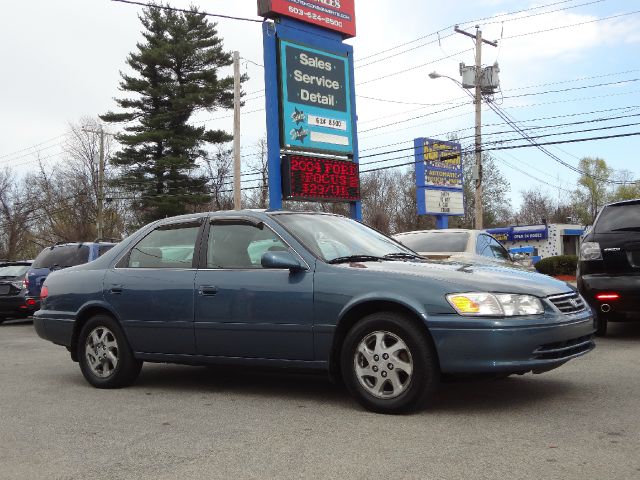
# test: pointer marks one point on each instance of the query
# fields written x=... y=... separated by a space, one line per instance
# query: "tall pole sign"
x=439 y=186
x=310 y=102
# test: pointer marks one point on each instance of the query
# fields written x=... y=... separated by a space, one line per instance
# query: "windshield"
x=330 y=237
x=619 y=217
x=13 y=270
x=62 y=256
x=435 y=241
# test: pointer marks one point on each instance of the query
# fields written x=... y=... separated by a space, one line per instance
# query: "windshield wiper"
x=400 y=255
x=626 y=229
x=355 y=258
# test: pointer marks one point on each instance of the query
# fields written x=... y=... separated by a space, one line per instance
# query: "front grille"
x=568 y=303
x=568 y=348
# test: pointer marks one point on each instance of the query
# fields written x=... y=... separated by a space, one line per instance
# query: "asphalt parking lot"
x=580 y=421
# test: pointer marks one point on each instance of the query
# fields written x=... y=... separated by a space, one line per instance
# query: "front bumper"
x=627 y=307
x=506 y=347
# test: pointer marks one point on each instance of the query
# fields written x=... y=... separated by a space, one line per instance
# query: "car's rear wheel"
x=105 y=358
x=389 y=364
x=2 y=319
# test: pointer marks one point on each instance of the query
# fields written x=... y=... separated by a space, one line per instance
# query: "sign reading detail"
x=439 y=177
x=312 y=178
x=338 y=15
x=316 y=100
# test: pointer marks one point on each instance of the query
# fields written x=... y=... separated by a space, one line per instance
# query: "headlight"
x=18 y=285
x=495 y=305
x=590 y=251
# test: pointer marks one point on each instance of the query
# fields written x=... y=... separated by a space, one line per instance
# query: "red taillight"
x=44 y=292
x=608 y=296
x=31 y=302
x=25 y=283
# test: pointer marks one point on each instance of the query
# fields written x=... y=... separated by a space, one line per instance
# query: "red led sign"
x=338 y=15
x=320 y=179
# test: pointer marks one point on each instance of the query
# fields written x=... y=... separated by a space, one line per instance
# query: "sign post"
x=310 y=102
x=439 y=185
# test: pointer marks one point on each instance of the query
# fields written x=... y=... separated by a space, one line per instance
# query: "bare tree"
x=15 y=217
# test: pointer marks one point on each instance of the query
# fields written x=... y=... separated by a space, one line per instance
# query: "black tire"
x=106 y=372
x=601 y=325
x=2 y=319
x=371 y=391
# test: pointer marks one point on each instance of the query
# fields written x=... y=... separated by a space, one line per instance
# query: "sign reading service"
x=316 y=100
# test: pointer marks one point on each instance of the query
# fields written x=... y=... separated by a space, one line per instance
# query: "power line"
x=573 y=25
x=173 y=9
x=31 y=146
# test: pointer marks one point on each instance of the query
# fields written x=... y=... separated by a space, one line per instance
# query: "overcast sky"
x=62 y=61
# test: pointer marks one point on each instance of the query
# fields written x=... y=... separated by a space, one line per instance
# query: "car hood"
x=468 y=277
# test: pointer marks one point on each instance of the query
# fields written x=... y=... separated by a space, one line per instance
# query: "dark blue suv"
x=60 y=256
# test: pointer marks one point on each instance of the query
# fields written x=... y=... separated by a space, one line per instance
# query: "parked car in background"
x=13 y=301
x=57 y=257
x=459 y=245
x=608 y=273
x=306 y=290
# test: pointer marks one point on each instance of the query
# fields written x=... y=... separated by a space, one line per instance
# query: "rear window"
x=619 y=218
x=436 y=241
x=62 y=256
x=102 y=249
x=13 y=270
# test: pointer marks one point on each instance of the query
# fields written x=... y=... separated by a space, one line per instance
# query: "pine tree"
x=176 y=74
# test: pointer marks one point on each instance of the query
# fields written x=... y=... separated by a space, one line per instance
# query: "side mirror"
x=518 y=257
x=281 y=260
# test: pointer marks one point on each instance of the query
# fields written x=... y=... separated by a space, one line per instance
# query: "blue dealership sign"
x=439 y=178
x=315 y=100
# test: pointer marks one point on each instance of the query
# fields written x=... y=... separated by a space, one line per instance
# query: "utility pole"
x=478 y=140
x=237 y=198
x=100 y=193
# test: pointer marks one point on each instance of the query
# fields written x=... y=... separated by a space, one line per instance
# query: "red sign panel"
x=338 y=15
x=320 y=179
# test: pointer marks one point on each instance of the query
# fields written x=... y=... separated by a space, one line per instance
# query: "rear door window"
x=62 y=256
x=166 y=247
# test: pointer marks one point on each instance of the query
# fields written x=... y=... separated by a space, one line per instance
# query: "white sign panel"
x=444 y=201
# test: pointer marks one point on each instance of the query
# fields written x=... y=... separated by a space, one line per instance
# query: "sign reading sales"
x=338 y=15
x=315 y=100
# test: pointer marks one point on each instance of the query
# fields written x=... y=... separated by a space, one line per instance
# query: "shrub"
x=560 y=265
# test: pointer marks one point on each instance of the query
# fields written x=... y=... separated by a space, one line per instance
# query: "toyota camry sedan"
x=306 y=290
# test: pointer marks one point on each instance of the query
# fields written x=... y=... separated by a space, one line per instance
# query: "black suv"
x=13 y=301
x=608 y=274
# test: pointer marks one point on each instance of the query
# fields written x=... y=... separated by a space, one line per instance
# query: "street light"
x=478 y=174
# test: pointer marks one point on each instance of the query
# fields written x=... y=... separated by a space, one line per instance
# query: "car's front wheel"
x=388 y=363
x=105 y=358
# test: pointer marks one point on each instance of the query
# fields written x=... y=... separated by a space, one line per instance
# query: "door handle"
x=208 y=290
x=116 y=289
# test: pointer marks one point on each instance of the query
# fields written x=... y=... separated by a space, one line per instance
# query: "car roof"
x=634 y=201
